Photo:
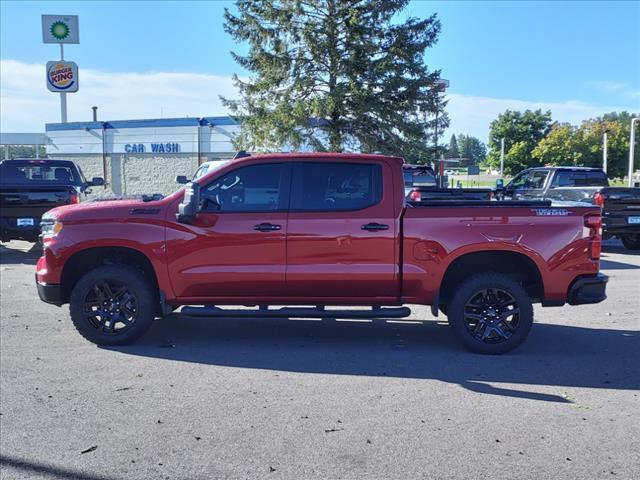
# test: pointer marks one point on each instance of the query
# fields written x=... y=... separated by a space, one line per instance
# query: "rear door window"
x=329 y=186
x=576 y=178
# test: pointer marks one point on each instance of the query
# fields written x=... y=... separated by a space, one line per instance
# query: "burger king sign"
x=62 y=76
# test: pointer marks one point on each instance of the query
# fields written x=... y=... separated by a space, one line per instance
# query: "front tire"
x=631 y=241
x=112 y=305
x=490 y=313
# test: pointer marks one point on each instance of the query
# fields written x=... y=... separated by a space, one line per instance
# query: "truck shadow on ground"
x=16 y=256
x=554 y=355
x=606 y=264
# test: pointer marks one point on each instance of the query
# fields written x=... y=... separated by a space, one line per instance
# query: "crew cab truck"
x=327 y=230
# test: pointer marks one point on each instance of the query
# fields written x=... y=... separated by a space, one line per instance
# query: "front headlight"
x=49 y=226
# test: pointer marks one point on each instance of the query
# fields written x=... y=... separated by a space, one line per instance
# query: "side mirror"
x=182 y=179
x=96 y=182
x=500 y=184
x=188 y=208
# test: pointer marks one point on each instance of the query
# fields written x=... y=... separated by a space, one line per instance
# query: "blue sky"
x=577 y=58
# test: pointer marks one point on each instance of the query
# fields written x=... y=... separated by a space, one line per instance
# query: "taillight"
x=594 y=224
x=415 y=196
x=74 y=198
x=598 y=199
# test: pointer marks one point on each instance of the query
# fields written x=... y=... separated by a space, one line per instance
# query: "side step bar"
x=296 y=312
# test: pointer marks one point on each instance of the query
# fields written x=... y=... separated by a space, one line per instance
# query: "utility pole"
x=440 y=86
x=501 y=157
x=632 y=141
x=63 y=95
x=604 y=151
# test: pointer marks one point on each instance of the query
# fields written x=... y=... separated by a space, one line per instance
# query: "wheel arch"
x=85 y=260
x=508 y=262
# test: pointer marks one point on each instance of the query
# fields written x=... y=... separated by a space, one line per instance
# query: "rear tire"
x=112 y=305
x=490 y=313
x=631 y=241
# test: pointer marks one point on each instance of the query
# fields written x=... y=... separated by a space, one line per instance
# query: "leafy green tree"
x=522 y=131
x=472 y=148
x=583 y=145
x=562 y=146
x=617 y=126
x=21 y=151
x=336 y=75
x=453 y=151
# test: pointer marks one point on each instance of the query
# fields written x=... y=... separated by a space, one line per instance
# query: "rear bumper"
x=10 y=231
x=620 y=230
x=50 y=293
x=616 y=223
x=588 y=289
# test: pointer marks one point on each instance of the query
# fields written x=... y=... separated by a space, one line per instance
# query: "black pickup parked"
x=620 y=206
x=28 y=188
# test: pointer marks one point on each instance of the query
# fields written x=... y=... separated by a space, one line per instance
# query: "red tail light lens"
x=74 y=198
x=598 y=199
x=415 y=196
x=594 y=224
x=595 y=249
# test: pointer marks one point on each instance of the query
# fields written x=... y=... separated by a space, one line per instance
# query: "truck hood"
x=105 y=209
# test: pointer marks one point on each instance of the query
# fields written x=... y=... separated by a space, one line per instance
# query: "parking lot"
x=204 y=399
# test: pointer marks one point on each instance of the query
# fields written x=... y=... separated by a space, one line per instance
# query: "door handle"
x=374 y=227
x=266 y=227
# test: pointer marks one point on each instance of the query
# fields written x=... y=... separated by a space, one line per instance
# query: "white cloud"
x=472 y=115
x=608 y=85
x=26 y=105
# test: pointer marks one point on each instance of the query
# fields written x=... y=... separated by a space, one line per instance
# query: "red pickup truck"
x=320 y=229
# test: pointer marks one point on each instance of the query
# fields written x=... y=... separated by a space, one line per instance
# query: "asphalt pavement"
x=300 y=399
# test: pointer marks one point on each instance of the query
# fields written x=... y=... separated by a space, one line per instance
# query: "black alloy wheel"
x=113 y=305
x=490 y=313
x=110 y=307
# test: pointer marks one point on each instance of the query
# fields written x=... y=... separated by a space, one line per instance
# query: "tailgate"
x=31 y=202
x=621 y=207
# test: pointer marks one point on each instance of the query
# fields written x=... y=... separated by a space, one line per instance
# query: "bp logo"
x=62 y=76
x=59 y=30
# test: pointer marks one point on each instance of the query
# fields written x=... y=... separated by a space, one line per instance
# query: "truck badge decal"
x=551 y=212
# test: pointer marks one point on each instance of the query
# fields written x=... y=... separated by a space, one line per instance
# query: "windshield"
x=209 y=167
x=38 y=173
x=419 y=177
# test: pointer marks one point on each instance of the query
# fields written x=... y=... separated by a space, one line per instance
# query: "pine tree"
x=335 y=75
x=453 y=151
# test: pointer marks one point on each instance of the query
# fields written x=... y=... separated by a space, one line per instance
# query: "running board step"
x=299 y=312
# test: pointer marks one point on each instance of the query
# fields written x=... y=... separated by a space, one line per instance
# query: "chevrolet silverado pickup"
x=30 y=187
x=317 y=232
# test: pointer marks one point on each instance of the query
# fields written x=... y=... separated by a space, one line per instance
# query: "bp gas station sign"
x=60 y=29
x=62 y=75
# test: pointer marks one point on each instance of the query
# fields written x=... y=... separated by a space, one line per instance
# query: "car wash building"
x=142 y=156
